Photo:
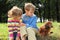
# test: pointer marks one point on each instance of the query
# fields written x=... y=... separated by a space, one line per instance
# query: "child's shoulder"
x=34 y=16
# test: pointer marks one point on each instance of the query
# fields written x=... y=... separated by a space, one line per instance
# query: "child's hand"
x=22 y=24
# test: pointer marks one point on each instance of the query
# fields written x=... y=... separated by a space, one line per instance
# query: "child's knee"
x=10 y=38
x=17 y=38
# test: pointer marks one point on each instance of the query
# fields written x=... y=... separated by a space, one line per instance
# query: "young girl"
x=14 y=21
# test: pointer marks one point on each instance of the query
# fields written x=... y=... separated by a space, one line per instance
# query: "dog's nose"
x=51 y=32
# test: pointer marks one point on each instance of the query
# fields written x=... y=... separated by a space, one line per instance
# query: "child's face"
x=30 y=12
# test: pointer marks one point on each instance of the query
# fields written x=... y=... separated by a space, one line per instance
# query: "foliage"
x=51 y=9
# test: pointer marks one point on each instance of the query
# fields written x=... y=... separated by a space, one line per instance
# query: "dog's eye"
x=47 y=27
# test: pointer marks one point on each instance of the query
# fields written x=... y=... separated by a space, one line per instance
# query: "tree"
x=50 y=10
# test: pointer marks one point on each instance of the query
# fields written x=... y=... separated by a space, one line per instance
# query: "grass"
x=54 y=36
x=3 y=31
x=55 y=29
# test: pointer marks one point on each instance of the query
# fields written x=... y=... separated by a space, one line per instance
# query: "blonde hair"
x=15 y=11
x=29 y=6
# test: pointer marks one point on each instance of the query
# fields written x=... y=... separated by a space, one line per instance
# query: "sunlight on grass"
x=3 y=31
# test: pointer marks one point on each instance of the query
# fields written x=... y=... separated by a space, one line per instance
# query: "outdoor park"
x=46 y=10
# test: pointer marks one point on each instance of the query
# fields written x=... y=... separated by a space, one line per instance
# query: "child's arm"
x=22 y=24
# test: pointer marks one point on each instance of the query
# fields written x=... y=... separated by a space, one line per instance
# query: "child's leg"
x=11 y=36
x=23 y=32
x=18 y=36
x=31 y=34
x=24 y=38
x=14 y=35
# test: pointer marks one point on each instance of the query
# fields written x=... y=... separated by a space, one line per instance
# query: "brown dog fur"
x=45 y=29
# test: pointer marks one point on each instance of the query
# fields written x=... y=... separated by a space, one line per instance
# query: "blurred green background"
x=46 y=9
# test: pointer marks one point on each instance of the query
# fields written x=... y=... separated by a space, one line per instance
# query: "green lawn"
x=55 y=35
x=3 y=31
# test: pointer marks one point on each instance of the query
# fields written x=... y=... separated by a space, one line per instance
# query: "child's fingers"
x=22 y=24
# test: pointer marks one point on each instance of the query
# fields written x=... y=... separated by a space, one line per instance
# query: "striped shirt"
x=13 y=25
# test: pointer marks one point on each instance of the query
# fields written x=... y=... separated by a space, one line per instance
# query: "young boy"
x=29 y=20
x=14 y=23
